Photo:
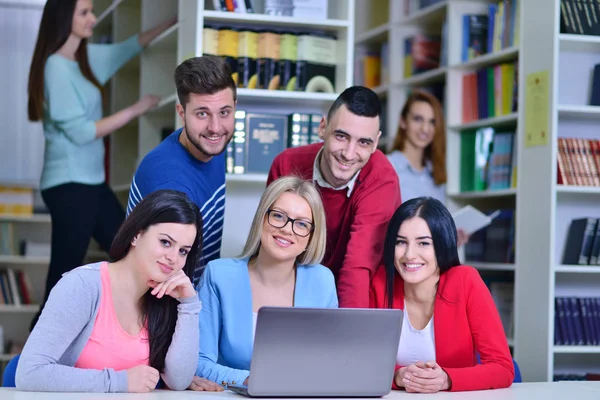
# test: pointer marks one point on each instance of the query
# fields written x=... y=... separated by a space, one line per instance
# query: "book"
x=471 y=219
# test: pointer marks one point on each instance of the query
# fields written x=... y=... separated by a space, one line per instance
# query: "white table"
x=519 y=391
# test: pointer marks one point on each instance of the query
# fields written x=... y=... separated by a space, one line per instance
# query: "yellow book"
x=498 y=26
x=372 y=71
x=16 y=200
x=508 y=73
x=408 y=63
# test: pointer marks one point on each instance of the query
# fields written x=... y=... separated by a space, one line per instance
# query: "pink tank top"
x=109 y=346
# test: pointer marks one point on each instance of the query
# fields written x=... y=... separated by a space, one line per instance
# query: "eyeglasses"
x=300 y=227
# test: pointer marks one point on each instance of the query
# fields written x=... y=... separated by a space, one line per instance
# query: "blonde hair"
x=315 y=251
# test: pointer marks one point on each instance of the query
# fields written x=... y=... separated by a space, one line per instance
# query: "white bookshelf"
x=498 y=57
x=33 y=219
x=124 y=88
x=424 y=79
x=15 y=319
x=577 y=269
x=23 y=260
x=152 y=73
x=484 y=194
x=340 y=21
x=403 y=20
x=248 y=178
x=374 y=35
x=502 y=120
x=481 y=266
x=543 y=208
x=27 y=308
x=546 y=208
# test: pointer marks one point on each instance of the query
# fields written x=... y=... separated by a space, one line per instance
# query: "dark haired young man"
x=192 y=159
x=358 y=185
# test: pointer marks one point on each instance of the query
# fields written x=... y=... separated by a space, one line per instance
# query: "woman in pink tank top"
x=120 y=326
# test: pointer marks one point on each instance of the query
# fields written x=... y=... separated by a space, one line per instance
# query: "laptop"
x=323 y=352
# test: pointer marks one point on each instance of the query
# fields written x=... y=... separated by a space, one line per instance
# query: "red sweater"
x=465 y=321
x=356 y=225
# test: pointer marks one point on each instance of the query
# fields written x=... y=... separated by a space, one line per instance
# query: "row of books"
x=490 y=92
x=491 y=32
x=258 y=138
x=315 y=9
x=578 y=162
x=422 y=53
x=577 y=321
x=273 y=59
x=582 y=246
x=502 y=292
x=15 y=288
x=577 y=377
x=16 y=200
x=580 y=17
x=371 y=67
x=240 y=6
x=496 y=242
x=426 y=51
x=488 y=159
x=8 y=244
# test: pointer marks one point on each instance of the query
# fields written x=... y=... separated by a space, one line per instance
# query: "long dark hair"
x=443 y=234
x=55 y=29
x=160 y=315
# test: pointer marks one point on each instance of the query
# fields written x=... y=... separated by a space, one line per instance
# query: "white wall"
x=21 y=142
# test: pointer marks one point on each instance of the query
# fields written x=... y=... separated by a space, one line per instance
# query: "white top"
x=415 y=345
x=414 y=183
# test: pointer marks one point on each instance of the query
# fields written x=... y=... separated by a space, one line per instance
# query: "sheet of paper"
x=471 y=219
x=537 y=106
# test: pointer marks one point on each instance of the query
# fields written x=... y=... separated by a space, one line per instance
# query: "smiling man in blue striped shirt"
x=192 y=159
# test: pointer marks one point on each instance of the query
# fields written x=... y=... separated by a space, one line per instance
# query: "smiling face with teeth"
x=282 y=244
x=415 y=258
x=349 y=141
x=208 y=123
x=419 y=125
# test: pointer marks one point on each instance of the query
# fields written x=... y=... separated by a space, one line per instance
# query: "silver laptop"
x=310 y=352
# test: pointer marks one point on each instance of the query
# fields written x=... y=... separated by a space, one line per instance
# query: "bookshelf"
x=22 y=278
x=406 y=19
x=443 y=19
x=152 y=73
x=546 y=208
x=543 y=208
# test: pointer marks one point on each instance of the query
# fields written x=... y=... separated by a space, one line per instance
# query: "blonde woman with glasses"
x=279 y=266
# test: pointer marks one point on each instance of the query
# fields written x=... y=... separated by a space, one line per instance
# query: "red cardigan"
x=465 y=321
x=356 y=225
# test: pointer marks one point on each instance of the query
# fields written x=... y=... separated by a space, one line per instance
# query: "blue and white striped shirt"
x=171 y=166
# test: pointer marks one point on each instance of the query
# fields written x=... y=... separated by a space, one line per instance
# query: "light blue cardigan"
x=226 y=320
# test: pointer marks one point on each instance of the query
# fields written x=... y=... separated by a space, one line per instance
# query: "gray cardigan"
x=53 y=347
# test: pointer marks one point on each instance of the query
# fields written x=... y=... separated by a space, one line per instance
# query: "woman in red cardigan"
x=449 y=313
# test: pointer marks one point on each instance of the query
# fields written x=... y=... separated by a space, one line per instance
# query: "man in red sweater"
x=358 y=185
